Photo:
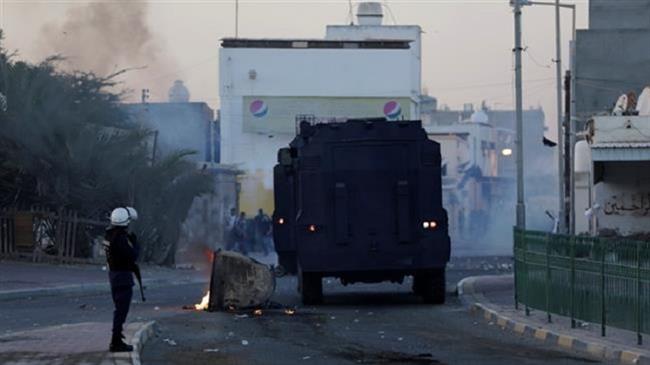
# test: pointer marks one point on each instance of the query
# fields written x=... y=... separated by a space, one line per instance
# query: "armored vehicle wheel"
x=430 y=285
x=310 y=286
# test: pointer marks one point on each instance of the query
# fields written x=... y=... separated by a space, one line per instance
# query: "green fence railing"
x=597 y=280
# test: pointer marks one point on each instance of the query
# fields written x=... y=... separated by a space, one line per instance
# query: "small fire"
x=204 y=302
x=257 y=312
x=289 y=311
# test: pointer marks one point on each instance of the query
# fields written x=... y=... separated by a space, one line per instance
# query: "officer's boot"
x=118 y=345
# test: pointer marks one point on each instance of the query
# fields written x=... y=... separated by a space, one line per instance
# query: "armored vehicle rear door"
x=371 y=194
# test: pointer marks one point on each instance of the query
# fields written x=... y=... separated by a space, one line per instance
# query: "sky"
x=467 y=44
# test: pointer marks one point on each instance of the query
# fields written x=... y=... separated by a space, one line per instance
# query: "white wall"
x=302 y=72
x=316 y=72
x=386 y=32
x=624 y=197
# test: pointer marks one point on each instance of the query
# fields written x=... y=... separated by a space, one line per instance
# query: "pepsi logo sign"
x=392 y=109
x=258 y=108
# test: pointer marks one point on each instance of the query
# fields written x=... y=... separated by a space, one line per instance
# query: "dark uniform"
x=122 y=252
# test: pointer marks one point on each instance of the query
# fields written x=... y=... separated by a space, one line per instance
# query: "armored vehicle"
x=361 y=201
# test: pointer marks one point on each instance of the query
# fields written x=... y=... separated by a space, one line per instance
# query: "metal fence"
x=597 y=280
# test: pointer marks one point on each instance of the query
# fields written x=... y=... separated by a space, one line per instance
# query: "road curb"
x=140 y=337
x=97 y=288
x=475 y=302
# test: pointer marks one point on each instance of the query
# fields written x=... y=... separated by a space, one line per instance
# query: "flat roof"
x=604 y=152
x=314 y=43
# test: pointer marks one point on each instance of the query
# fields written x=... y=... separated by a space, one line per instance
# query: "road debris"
x=170 y=342
x=239 y=282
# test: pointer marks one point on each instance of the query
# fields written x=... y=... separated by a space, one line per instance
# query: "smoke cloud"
x=106 y=37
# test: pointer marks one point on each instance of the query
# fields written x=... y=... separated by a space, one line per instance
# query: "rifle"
x=136 y=269
x=138 y=276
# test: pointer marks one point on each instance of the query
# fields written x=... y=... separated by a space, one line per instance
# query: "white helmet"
x=123 y=216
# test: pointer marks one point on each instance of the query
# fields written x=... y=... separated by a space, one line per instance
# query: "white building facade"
x=266 y=85
x=620 y=153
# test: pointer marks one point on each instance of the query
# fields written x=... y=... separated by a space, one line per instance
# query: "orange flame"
x=204 y=302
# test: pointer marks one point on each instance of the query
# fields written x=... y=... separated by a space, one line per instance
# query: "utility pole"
x=568 y=154
x=521 y=207
x=564 y=208
x=560 y=161
x=236 y=18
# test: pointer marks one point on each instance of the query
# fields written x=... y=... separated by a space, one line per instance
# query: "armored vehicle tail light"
x=429 y=225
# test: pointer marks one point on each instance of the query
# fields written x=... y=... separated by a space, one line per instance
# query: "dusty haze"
x=467 y=45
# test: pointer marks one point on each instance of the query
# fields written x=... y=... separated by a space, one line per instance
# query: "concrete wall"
x=619 y=14
x=317 y=72
x=624 y=197
x=612 y=56
x=385 y=32
x=608 y=64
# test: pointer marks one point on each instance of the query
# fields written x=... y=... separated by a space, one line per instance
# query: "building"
x=478 y=174
x=620 y=171
x=537 y=157
x=363 y=70
x=177 y=126
x=612 y=56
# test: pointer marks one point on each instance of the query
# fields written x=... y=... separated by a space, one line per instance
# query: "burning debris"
x=204 y=302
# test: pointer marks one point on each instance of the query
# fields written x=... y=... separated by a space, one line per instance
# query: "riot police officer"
x=122 y=251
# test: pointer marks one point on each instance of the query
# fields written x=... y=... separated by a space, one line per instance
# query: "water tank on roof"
x=479 y=116
x=582 y=157
x=370 y=13
x=178 y=93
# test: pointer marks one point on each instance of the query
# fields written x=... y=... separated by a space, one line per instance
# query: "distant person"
x=250 y=235
x=241 y=233
x=229 y=229
x=263 y=232
x=122 y=251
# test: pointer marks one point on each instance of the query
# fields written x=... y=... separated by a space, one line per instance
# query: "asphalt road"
x=30 y=313
x=359 y=324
